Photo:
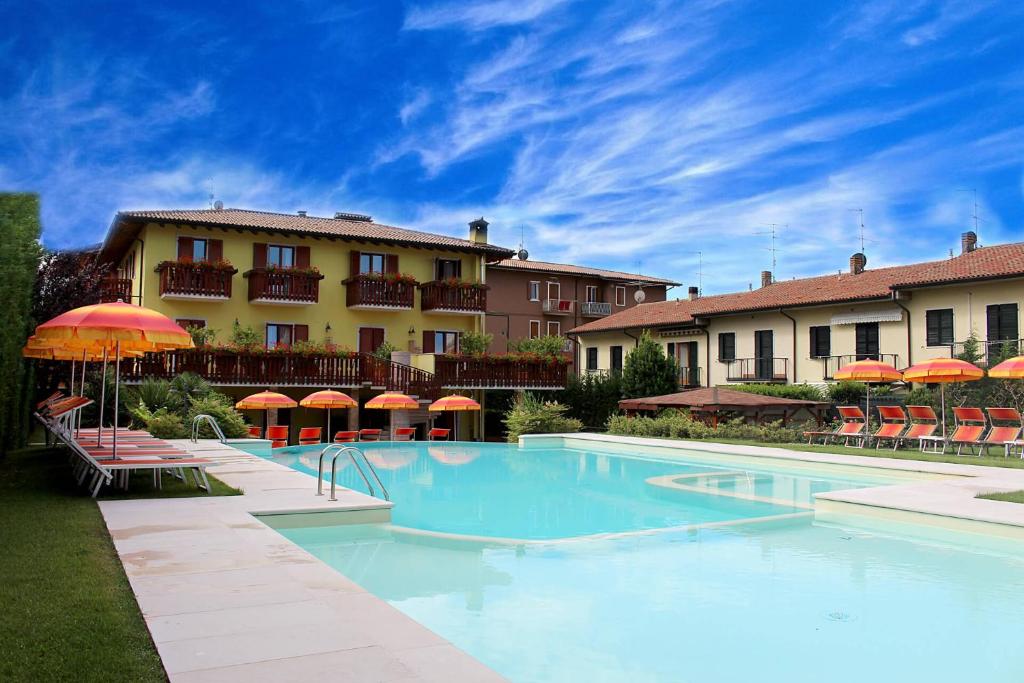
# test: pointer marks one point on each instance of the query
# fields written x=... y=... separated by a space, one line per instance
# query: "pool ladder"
x=199 y=419
x=353 y=452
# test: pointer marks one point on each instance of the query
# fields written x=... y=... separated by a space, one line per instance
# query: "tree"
x=648 y=371
x=66 y=280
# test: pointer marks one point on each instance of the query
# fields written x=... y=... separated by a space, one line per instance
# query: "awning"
x=894 y=315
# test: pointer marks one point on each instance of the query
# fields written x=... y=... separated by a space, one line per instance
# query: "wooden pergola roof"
x=716 y=400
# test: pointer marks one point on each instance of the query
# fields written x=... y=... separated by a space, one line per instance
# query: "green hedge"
x=804 y=392
x=677 y=424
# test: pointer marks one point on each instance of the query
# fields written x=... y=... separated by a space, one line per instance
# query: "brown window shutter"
x=215 y=250
x=301 y=333
x=353 y=261
x=428 y=341
x=259 y=255
x=184 y=248
x=302 y=257
x=458 y=342
x=391 y=263
x=458 y=268
x=365 y=340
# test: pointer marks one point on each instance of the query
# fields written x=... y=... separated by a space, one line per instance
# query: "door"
x=370 y=339
x=867 y=341
x=691 y=378
x=764 y=351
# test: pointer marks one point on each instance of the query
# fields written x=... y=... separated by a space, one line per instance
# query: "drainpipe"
x=707 y=353
x=142 y=253
x=794 y=341
x=910 y=352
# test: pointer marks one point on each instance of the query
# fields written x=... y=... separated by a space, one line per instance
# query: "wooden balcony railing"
x=499 y=373
x=832 y=364
x=194 y=280
x=373 y=292
x=757 y=370
x=442 y=297
x=283 y=286
x=115 y=289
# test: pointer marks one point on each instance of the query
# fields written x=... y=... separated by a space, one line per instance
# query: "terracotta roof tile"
x=546 y=267
x=1000 y=261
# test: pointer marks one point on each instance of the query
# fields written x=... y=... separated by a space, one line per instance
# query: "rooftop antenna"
x=522 y=254
x=209 y=184
x=700 y=272
x=861 y=213
x=975 y=217
x=773 y=231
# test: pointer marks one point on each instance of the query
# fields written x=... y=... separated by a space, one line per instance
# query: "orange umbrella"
x=1011 y=368
x=454 y=403
x=393 y=400
x=868 y=372
x=117 y=326
x=265 y=400
x=328 y=399
x=942 y=371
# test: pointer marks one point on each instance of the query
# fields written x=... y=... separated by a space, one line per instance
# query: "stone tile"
x=385 y=624
x=300 y=616
x=445 y=664
x=361 y=665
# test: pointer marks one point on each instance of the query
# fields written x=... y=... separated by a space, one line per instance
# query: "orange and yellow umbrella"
x=328 y=399
x=868 y=371
x=942 y=371
x=1011 y=368
x=393 y=400
x=265 y=400
x=116 y=323
x=454 y=403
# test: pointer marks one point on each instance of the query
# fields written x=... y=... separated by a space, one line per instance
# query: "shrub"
x=548 y=345
x=678 y=424
x=591 y=398
x=165 y=425
x=245 y=336
x=154 y=394
x=220 y=408
x=385 y=350
x=202 y=336
x=475 y=343
x=846 y=393
x=647 y=371
x=530 y=415
x=189 y=386
x=804 y=392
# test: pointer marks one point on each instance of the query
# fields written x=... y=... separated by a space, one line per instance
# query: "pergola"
x=708 y=403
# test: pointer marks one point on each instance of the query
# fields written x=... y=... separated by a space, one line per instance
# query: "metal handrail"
x=213 y=424
x=351 y=450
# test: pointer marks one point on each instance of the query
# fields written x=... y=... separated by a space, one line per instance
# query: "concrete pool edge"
x=952 y=495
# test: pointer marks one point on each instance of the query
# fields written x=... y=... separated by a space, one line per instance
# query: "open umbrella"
x=454 y=403
x=393 y=400
x=328 y=399
x=265 y=400
x=943 y=371
x=1011 y=368
x=870 y=372
x=116 y=327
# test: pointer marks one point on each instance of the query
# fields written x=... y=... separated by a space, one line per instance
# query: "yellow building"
x=299 y=282
x=803 y=330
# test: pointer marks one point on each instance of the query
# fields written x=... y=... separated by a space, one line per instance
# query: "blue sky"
x=618 y=134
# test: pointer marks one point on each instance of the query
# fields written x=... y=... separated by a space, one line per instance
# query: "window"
x=190 y=322
x=199 y=250
x=591 y=358
x=279 y=335
x=867 y=341
x=280 y=256
x=821 y=341
x=939 y=327
x=1002 y=322
x=534 y=329
x=446 y=342
x=448 y=268
x=726 y=346
x=591 y=293
x=554 y=290
x=534 y=291
x=616 y=364
x=371 y=263
x=620 y=295
x=670 y=350
x=554 y=329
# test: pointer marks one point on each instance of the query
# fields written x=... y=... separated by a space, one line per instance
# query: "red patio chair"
x=1000 y=435
x=893 y=423
x=970 y=427
x=404 y=434
x=255 y=431
x=346 y=437
x=853 y=425
x=278 y=435
x=309 y=436
x=438 y=434
x=369 y=435
x=923 y=423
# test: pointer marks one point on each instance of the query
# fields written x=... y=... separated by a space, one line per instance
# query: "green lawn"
x=68 y=611
x=1011 y=497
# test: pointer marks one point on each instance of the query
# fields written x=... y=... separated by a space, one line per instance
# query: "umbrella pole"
x=103 y=398
x=330 y=439
x=71 y=389
x=942 y=394
x=81 y=392
x=867 y=418
x=117 y=391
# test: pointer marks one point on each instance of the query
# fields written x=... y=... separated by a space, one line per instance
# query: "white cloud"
x=477 y=16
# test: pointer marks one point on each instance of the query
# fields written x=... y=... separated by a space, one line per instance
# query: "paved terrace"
x=226 y=598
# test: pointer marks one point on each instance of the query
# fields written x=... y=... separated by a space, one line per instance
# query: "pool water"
x=733 y=588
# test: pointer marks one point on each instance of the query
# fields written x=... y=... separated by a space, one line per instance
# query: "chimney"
x=302 y=213
x=968 y=241
x=766 y=278
x=694 y=293
x=857 y=263
x=478 y=231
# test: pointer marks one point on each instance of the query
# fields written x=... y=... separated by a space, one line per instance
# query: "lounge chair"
x=438 y=434
x=309 y=436
x=346 y=437
x=278 y=435
x=852 y=427
x=404 y=434
x=893 y=423
x=970 y=427
x=255 y=431
x=1000 y=435
x=923 y=423
x=369 y=434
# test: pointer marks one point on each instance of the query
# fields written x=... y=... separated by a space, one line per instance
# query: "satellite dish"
x=639 y=296
x=523 y=254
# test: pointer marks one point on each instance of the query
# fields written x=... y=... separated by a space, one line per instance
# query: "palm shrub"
x=189 y=386
x=647 y=371
x=155 y=394
x=220 y=408
x=530 y=415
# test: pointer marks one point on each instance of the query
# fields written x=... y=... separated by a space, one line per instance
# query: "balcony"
x=595 y=309
x=458 y=299
x=286 y=287
x=757 y=370
x=366 y=292
x=832 y=364
x=195 y=281
x=115 y=289
x=499 y=372
x=559 y=306
x=991 y=352
x=691 y=377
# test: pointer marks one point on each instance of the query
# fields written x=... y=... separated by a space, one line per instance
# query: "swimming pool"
x=554 y=564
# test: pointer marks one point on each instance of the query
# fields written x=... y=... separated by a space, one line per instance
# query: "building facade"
x=803 y=330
